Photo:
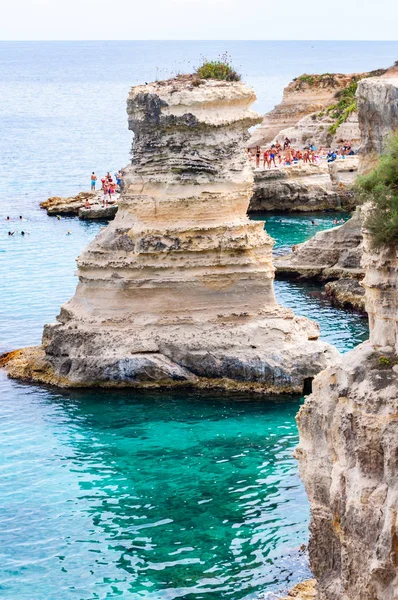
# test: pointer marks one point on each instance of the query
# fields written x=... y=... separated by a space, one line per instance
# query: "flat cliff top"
x=211 y=101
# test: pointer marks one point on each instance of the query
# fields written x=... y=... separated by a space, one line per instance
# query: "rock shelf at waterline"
x=178 y=289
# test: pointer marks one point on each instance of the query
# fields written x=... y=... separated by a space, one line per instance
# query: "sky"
x=199 y=19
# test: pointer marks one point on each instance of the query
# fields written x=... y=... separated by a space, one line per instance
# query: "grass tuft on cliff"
x=220 y=69
x=380 y=187
x=346 y=100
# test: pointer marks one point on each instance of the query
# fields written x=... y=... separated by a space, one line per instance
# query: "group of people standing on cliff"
x=287 y=155
x=109 y=186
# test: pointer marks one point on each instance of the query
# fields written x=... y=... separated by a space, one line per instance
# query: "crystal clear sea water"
x=125 y=494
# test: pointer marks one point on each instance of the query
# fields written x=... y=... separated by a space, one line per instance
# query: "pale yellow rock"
x=179 y=287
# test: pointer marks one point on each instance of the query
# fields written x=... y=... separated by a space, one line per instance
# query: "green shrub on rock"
x=218 y=69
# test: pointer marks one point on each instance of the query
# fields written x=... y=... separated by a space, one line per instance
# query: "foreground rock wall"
x=348 y=453
x=377 y=100
x=179 y=287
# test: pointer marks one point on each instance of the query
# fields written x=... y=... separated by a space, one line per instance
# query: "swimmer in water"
x=313 y=222
x=11 y=232
x=58 y=217
x=22 y=233
x=68 y=233
x=8 y=219
x=20 y=218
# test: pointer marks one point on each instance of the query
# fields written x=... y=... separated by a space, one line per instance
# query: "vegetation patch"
x=346 y=100
x=380 y=187
x=220 y=69
x=324 y=79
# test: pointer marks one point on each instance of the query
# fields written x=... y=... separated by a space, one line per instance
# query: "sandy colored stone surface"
x=305 y=187
x=179 y=287
x=75 y=205
x=347 y=293
x=302 y=591
x=378 y=116
x=299 y=100
x=348 y=452
x=330 y=254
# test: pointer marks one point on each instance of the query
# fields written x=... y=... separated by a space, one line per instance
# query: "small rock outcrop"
x=302 y=591
x=179 y=287
x=76 y=206
x=346 y=293
x=330 y=254
x=305 y=187
x=377 y=100
x=348 y=453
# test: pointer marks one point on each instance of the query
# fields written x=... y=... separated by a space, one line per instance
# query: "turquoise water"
x=125 y=494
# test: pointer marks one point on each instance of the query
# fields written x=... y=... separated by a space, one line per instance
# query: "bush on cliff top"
x=381 y=188
x=218 y=69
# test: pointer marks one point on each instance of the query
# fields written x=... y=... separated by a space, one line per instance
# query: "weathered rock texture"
x=377 y=100
x=300 y=98
x=76 y=206
x=302 y=591
x=348 y=453
x=179 y=287
x=346 y=293
x=305 y=187
x=330 y=254
x=314 y=129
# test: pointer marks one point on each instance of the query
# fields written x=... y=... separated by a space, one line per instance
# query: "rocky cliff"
x=179 y=287
x=330 y=254
x=348 y=453
x=377 y=100
x=305 y=187
x=305 y=95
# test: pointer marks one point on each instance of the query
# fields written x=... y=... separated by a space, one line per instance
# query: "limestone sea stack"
x=179 y=287
x=348 y=453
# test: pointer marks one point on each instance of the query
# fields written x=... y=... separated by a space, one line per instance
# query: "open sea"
x=109 y=494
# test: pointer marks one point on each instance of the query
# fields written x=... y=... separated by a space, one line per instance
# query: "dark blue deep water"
x=109 y=494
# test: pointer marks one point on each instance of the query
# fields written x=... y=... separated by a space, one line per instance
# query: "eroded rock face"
x=314 y=129
x=305 y=187
x=378 y=115
x=179 y=287
x=300 y=98
x=330 y=254
x=348 y=453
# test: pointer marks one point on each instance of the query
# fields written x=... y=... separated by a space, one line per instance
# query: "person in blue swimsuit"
x=93 y=181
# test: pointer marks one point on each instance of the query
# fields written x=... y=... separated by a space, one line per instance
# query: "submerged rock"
x=76 y=206
x=348 y=452
x=178 y=289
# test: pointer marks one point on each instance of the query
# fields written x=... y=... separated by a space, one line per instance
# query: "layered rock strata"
x=377 y=100
x=346 y=293
x=305 y=95
x=348 y=453
x=330 y=254
x=179 y=287
x=305 y=187
x=76 y=206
